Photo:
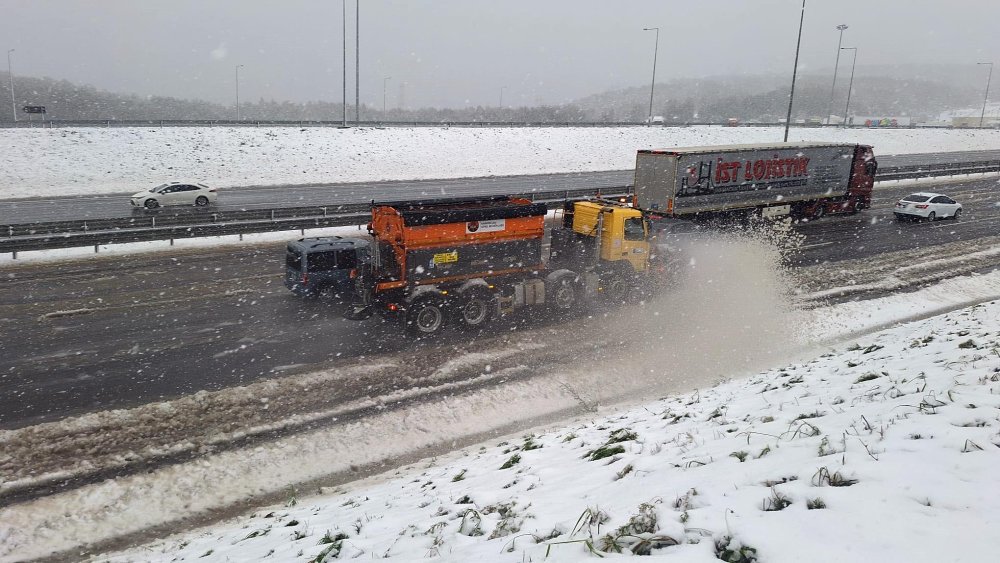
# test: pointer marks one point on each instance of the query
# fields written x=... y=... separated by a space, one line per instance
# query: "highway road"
x=267 y=197
x=114 y=332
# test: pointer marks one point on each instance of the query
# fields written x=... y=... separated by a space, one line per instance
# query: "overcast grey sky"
x=461 y=52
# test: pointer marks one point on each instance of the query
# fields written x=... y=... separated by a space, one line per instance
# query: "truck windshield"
x=635 y=229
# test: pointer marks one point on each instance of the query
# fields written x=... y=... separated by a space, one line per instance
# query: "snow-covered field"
x=884 y=449
x=52 y=162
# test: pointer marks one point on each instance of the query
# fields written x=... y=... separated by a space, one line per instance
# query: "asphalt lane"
x=114 y=332
x=876 y=230
x=324 y=195
x=333 y=194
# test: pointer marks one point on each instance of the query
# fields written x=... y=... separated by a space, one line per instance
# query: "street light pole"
x=385 y=81
x=238 y=92
x=836 y=66
x=501 y=96
x=343 y=4
x=986 y=96
x=357 y=61
x=652 y=84
x=850 y=85
x=795 y=69
x=10 y=74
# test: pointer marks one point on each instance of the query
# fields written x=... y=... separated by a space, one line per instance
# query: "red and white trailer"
x=796 y=179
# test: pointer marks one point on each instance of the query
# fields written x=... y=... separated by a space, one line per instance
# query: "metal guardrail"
x=316 y=123
x=183 y=225
x=52 y=123
x=170 y=225
x=914 y=171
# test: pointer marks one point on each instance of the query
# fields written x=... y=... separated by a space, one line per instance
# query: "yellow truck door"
x=625 y=237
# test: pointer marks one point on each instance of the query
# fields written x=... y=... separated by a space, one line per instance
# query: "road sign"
x=34 y=109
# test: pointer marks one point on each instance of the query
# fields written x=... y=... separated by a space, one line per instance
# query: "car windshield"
x=916 y=198
x=157 y=189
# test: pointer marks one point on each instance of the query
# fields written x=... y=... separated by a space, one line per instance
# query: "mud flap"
x=359 y=312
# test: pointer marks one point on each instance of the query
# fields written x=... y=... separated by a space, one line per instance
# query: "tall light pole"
x=385 y=81
x=357 y=61
x=986 y=96
x=795 y=69
x=238 y=91
x=850 y=85
x=10 y=74
x=652 y=84
x=836 y=66
x=343 y=4
x=501 y=96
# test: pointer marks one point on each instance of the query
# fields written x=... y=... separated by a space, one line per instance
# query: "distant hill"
x=920 y=92
x=765 y=98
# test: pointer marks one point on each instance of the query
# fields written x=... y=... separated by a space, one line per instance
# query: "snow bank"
x=884 y=450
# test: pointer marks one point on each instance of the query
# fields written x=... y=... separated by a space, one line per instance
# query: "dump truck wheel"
x=562 y=293
x=616 y=289
x=475 y=309
x=426 y=317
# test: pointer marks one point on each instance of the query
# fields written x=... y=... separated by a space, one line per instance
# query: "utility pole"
x=344 y=18
x=850 y=86
x=238 y=92
x=986 y=96
x=795 y=69
x=652 y=84
x=385 y=82
x=357 y=61
x=10 y=74
x=836 y=66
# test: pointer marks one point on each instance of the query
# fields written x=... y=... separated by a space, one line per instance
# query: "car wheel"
x=426 y=317
x=819 y=212
x=957 y=213
x=475 y=309
x=931 y=216
x=151 y=203
x=201 y=201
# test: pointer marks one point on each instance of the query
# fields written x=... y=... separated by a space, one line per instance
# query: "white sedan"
x=925 y=205
x=175 y=193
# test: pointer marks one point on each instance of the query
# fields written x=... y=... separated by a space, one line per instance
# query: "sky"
x=456 y=53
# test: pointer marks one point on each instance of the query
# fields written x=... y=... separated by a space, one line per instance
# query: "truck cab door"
x=635 y=243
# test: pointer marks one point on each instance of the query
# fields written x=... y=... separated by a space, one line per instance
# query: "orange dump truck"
x=464 y=262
